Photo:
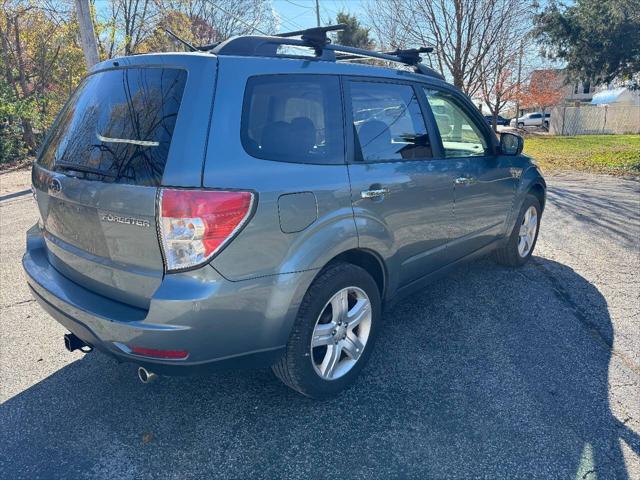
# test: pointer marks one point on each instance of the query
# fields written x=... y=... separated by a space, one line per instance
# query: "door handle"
x=465 y=180
x=374 y=193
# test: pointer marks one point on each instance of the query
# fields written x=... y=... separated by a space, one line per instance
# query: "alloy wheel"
x=528 y=230
x=341 y=333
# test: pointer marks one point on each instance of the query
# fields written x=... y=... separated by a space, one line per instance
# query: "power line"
x=253 y=26
x=237 y=18
x=291 y=22
x=298 y=5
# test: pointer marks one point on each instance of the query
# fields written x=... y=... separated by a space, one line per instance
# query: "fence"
x=594 y=119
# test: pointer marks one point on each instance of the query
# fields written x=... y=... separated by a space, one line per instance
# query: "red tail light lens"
x=196 y=224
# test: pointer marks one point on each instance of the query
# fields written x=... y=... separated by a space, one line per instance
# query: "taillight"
x=196 y=224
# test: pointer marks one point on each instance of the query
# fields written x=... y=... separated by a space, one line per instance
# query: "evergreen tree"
x=598 y=39
x=354 y=35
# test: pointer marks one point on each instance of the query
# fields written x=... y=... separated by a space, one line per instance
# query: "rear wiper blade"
x=82 y=168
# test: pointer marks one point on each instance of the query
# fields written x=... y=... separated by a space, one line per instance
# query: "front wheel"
x=333 y=334
x=524 y=236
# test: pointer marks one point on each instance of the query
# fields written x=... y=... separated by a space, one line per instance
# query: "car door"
x=485 y=184
x=402 y=189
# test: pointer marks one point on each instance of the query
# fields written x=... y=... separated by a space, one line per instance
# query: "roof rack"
x=316 y=38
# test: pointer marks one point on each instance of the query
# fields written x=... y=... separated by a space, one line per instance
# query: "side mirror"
x=511 y=144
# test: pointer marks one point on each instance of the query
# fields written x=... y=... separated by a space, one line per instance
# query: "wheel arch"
x=539 y=192
x=369 y=261
x=366 y=259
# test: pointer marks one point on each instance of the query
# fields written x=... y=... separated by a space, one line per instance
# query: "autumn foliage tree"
x=40 y=65
x=41 y=61
x=544 y=90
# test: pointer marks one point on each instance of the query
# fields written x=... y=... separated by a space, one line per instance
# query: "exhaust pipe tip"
x=145 y=376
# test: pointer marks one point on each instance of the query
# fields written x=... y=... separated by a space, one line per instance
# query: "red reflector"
x=152 y=352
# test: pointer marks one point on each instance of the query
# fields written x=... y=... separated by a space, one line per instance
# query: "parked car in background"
x=500 y=120
x=534 y=119
x=245 y=207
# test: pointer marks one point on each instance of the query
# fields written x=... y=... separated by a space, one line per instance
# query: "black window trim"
x=244 y=116
x=354 y=157
x=474 y=114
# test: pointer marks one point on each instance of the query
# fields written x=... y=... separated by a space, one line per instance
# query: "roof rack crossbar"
x=409 y=56
x=354 y=52
x=317 y=39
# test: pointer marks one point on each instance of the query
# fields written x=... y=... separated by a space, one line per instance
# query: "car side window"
x=387 y=122
x=461 y=136
x=536 y=115
x=293 y=118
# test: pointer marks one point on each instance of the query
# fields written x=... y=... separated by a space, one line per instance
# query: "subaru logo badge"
x=55 y=186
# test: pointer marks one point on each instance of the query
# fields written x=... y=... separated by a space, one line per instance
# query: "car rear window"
x=293 y=118
x=118 y=126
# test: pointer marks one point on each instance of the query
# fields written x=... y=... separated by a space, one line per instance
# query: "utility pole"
x=87 y=35
x=318 y=12
x=518 y=89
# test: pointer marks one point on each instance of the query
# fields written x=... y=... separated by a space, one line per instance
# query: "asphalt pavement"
x=488 y=373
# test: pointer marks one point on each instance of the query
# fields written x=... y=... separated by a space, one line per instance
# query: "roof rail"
x=316 y=38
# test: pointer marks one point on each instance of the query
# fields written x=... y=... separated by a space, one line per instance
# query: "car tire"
x=303 y=367
x=520 y=125
x=519 y=248
x=546 y=125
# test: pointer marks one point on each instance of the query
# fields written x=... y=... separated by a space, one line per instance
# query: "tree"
x=598 y=40
x=463 y=32
x=354 y=35
x=499 y=80
x=125 y=27
x=213 y=21
x=543 y=91
x=40 y=64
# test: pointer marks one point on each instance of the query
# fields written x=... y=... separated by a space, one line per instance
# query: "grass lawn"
x=615 y=154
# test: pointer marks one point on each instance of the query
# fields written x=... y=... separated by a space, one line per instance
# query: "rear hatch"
x=98 y=175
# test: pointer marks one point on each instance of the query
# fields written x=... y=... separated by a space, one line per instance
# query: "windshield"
x=118 y=126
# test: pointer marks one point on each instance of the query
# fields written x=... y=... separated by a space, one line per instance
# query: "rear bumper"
x=219 y=323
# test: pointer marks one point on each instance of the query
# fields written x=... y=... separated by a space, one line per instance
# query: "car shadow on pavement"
x=618 y=218
x=490 y=372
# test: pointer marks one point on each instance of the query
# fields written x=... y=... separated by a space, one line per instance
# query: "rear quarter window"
x=118 y=126
x=293 y=118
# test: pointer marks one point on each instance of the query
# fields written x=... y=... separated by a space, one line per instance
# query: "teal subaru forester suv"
x=259 y=201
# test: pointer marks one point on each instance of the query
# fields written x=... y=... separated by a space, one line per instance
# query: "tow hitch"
x=71 y=343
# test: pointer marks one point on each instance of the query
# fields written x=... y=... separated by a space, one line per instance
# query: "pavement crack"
x=565 y=297
x=23 y=302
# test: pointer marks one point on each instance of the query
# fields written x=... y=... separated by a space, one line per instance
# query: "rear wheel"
x=524 y=236
x=333 y=334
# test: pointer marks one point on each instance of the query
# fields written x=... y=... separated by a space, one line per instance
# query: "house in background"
x=621 y=96
x=613 y=108
x=571 y=93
